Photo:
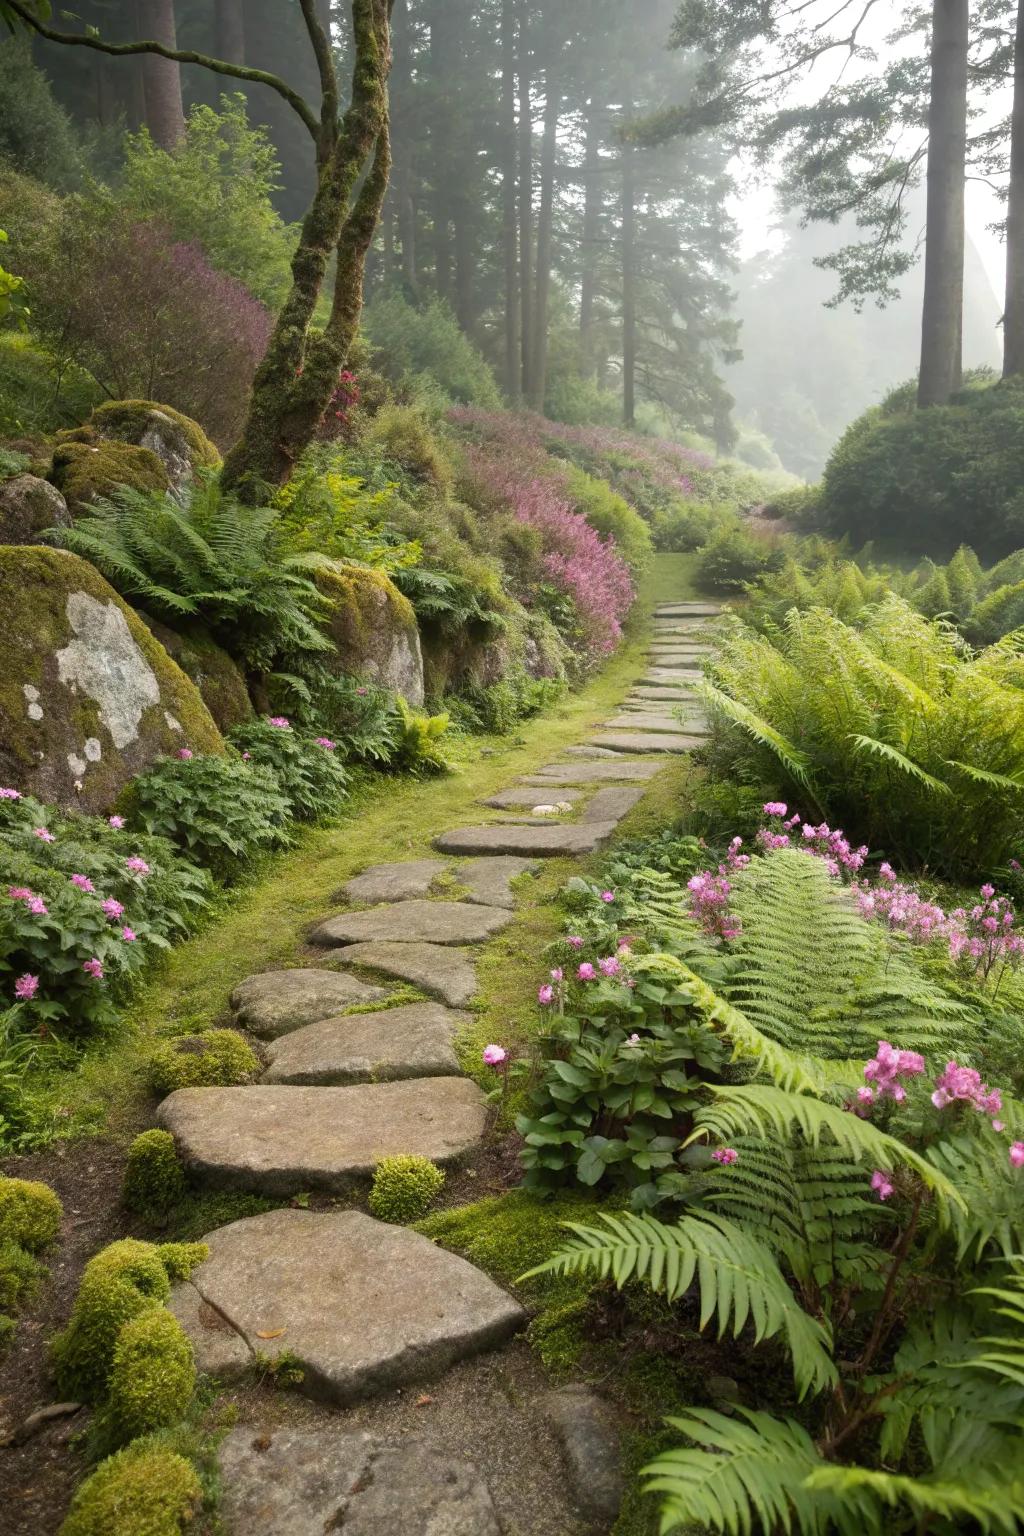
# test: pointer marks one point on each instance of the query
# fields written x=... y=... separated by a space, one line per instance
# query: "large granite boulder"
x=218 y=678
x=178 y=442
x=88 y=697
x=28 y=506
x=374 y=630
x=137 y=443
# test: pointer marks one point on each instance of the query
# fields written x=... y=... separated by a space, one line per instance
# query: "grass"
x=386 y=819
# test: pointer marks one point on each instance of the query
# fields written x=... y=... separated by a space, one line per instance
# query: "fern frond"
x=895 y=759
x=996 y=1504
x=993 y=1212
x=739 y=1278
x=985 y=776
x=790 y=756
x=1004 y=1355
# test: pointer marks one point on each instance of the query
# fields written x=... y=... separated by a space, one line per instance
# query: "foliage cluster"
x=404 y=1188
x=423 y=343
x=30 y=1217
x=218 y=1058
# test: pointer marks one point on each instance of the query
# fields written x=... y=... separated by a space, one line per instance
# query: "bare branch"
x=324 y=63
x=177 y=56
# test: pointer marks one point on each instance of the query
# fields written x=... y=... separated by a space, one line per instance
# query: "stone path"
x=361 y=1307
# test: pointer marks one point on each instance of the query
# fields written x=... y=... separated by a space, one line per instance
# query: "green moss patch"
x=85 y=470
x=128 y=420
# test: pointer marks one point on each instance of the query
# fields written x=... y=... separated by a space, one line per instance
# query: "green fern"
x=739 y=1279
x=992 y=1214
x=995 y=1502
x=1004 y=1354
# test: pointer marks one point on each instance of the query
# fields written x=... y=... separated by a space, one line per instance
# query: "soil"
x=39 y=1477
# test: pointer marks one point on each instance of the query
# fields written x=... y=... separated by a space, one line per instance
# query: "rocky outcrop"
x=28 y=506
x=88 y=697
x=373 y=629
x=218 y=678
x=137 y=443
x=178 y=442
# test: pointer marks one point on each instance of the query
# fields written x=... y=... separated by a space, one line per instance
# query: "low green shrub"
x=218 y=1058
x=152 y=1378
x=404 y=1188
x=418 y=740
x=683 y=526
x=140 y=1491
x=611 y=516
x=408 y=340
x=308 y=769
x=30 y=1214
x=118 y=1284
x=20 y=1273
x=732 y=558
x=220 y=811
x=154 y=1180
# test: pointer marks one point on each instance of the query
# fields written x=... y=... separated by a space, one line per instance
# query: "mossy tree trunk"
x=941 y=331
x=299 y=373
x=1013 y=322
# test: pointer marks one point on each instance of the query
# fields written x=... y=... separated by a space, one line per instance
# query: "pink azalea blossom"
x=885 y=1069
x=117 y=822
x=280 y=722
x=494 y=1055
x=545 y=994
x=725 y=1155
x=26 y=987
x=586 y=971
x=607 y=895
x=93 y=968
x=326 y=742
x=43 y=835
x=136 y=866
x=1017 y=1155
x=609 y=966
x=775 y=808
x=113 y=909
x=10 y=794
x=881 y=1184
x=186 y=754
x=83 y=882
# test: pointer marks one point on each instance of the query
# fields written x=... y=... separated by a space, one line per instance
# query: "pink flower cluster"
x=725 y=1156
x=979 y=939
x=882 y=1184
x=35 y=904
x=964 y=1085
x=831 y=846
x=709 y=905
x=884 y=1071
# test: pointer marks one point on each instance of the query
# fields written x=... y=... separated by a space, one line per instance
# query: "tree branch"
x=177 y=56
x=324 y=63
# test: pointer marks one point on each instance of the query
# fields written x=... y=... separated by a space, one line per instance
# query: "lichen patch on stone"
x=104 y=662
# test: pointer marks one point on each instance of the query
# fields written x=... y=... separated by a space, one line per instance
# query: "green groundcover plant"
x=846 y=1191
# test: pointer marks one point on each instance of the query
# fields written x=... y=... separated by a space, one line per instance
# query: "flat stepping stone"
x=644 y=722
x=437 y=969
x=542 y=839
x=586 y=752
x=611 y=804
x=680 y=675
x=391 y=1044
x=593 y=773
x=276 y=1002
x=649 y=693
x=393 y=882
x=688 y=610
x=649 y=741
x=414 y=922
x=303 y=1482
x=273 y=1140
x=510 y=799
x=489 y=881
x=363 y=1306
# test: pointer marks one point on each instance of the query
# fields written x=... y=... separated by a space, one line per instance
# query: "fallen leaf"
x=424 y=1401
x=272 y=1333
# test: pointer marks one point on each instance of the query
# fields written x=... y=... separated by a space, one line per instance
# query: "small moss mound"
x=120 y=1283
x=154 y=1180
x=404 y=1188
x=128 y=420
x=83 y=471
x=152 y=1378
x=141 y=1491
x=20 y=1273
x=216 y=1059
x=30 y=1213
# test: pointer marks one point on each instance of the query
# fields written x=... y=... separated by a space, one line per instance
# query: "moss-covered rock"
x=218 y=678
x=87 y=466
x=216 y=1059
x=478 y=657
x=141 y=1491
x=178 y=442
x=88 y=697
x=374 y=630
x=28 y=506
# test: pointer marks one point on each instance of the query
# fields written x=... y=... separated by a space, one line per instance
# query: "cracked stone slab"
x=303 y=1482
x=586 y=752
x=437 y=969
x=394 y=1043
x=649 y=693
x=640 y=720
x=275 y=1002
x=511 y=799
x=542 y=839
x=687 y=610
x=648 y=741
x=588 y=1433
x=273 y=1140
x=363 y=1306
x=489 y=880
x=393 y=882
x=593 y=773
x=414 y=922
x=612 y=804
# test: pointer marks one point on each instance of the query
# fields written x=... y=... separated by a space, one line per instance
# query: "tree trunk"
x=442 y=71
x=628 y=285
x=509 y=201
x=404 y=178
x=230 y=31
x=465 y=267
x=525 y=201
x=591 y=231
x=545 y=231
x=1013 y=322
x=941 y=350
x=165 y=115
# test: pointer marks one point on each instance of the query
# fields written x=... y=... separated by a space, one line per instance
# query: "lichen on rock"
x=87 y=694
x=178 y=442
x=28 y=506
x=373 y=628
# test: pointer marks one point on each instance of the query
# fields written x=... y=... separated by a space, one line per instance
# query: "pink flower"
x=129 y=935
x=83 y=882
x=775 y=808
x=26 y=987
x=43 y=835
x=865 y=1095
x=362 y=692
x=136 y=866
x=988 y=891
x=610 y=966
x=280 y=722
x=10 y=794
x=112 y=909
x=633 y=1040
x=607 y=895
x=881 y=1185
x=557 y=974
x=19 y=893
x=726 y=1155
x=93 y=968
x=186 y=754
x=997 y=1126
x=586 y=971
x=494 y=1055
x=326 y=742
x=545 y=994
x=37 y=906
x=117 y=822
x=575 y=942
x=246 y=757
x=1017 y=1155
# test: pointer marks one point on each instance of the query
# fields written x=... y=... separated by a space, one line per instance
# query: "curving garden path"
x=364 y=1307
